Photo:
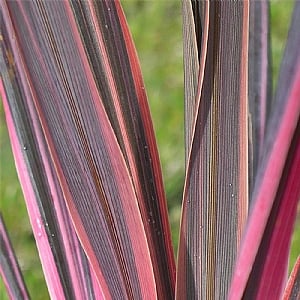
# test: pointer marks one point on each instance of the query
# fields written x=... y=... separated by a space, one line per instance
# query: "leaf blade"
x=208 y=199
x=125 y=102
x=260 y=82
x=61 y=255
x=56 y=140
x=276 y=187
x=9 y=268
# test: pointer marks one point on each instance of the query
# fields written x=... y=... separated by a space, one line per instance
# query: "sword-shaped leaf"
x=262 y=263
x=292 y=290
x=195 y=34
x=215 y=195
x=98 y=168
x=259 y=82
x=65 y=265
x=116 y=70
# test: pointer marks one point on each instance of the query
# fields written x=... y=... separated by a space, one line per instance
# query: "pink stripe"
x=72 y=260
x=150 y=136
x=38 y=227
x=267 y=192
x=45 y=253
x=276 y=266
x=129 y=202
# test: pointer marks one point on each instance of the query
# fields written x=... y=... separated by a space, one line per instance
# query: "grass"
x=156 y=29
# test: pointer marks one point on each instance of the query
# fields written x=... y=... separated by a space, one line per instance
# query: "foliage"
x=162 y=112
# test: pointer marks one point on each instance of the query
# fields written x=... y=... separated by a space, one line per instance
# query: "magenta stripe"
x=37 y=225
x=267 y=192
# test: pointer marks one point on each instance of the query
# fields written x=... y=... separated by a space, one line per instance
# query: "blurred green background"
x=156 y=29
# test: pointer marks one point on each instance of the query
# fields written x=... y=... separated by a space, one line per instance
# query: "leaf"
x=216 y=196
x=116 y=70
x=70 y=116
x=111 y=184
x=292 y=290
x=9 y=267
x=259 y=82
x=64 y=263
x=195 y=35
x=265 y=248
x=191 y=48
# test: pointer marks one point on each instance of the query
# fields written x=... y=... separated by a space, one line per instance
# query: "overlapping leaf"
x=259 y=82
x=65 y=265
x=263 y=259
x=98 y=137
x=117 y=73
x=215 y=196
x=84 y=147
x=195 y=35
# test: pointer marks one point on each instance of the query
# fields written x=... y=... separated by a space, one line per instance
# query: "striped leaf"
x=215 y=195
x=81 y=85
x=259 y=82
x=195 y=36
x=116 y=70
x=86 y=156
x=9 y=267
x=265 y=248
x=64 y=262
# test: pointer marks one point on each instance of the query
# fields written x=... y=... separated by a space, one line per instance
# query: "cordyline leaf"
x=262 y=264
x=9 y=267
x=56 y=279
x=195 y=34
x=65 y=265
x=292 y=291
x=86 y=156
x=216 y=196
x=259 y=82
x=191 y=46
x=64 y=262
x=116 y=70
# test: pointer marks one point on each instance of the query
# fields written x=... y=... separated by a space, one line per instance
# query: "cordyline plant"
x=86 y=156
